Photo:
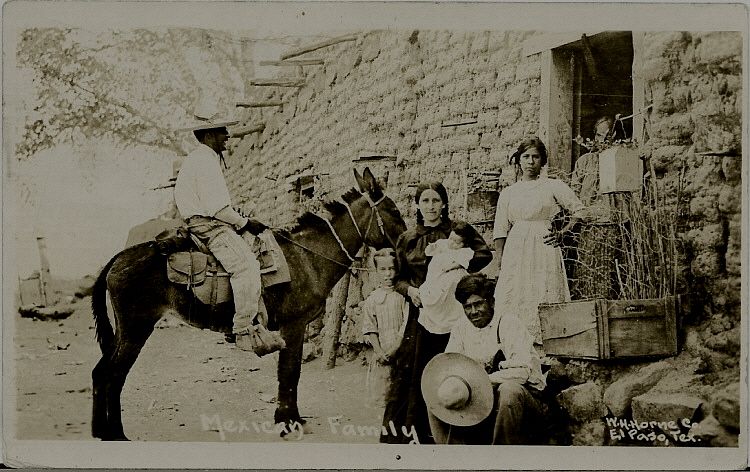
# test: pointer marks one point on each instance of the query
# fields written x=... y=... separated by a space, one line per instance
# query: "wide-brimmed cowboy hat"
x=212 y=124
x=207 y=116
x=457 y=389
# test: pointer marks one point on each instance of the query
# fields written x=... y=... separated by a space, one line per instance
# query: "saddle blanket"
x=202 y=272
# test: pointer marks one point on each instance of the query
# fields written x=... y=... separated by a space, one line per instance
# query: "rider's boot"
x=257 y=338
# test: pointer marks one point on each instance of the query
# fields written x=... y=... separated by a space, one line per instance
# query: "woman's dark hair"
x=440 y=189
x=475 y=284
x=464 y=230
x=535 y=143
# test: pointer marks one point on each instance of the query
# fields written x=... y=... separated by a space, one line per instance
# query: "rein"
x=374 y=214
x=323 y=256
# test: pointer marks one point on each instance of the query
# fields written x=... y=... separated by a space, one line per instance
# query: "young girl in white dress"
x=531 y=263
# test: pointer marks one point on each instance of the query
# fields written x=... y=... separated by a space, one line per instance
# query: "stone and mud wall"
x=451 y=106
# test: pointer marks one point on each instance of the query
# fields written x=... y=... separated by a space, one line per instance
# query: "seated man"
x=202 y=198
x=503 y=345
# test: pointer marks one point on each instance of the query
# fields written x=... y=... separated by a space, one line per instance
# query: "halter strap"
x=378 y=218
x=338 y=239
x=351 y=215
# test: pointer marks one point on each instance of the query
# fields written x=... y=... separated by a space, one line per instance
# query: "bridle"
x=374 y=214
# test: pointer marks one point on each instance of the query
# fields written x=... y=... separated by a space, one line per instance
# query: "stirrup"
x=245 y=342
x=244 y=331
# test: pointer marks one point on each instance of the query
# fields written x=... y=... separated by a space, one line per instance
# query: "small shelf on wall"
x=294 y=63
x=319 y=45
x=259 y=103
x=459 y=122
x=374 y=157
x=280 y=82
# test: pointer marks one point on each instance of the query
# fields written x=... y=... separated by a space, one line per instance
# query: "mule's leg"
x=119 y=365
x=290 y=364
x=99 y=397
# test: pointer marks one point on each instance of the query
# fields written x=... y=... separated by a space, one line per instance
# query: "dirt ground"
x=185 y=384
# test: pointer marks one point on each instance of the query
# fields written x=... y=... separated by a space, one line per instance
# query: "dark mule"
x=141 y=294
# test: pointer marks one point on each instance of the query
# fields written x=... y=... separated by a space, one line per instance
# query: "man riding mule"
x=319 y=250
x=202 y=198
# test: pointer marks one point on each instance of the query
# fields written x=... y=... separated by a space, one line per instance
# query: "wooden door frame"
x=556 y=107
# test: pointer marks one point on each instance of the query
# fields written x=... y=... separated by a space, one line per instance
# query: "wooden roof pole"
x=320 y=45
x=270 y=103
x=299 y=62
x=276 y=82
x=253 y=128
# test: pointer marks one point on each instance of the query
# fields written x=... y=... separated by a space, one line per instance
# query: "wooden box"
x=610 y=329
x=620 y=170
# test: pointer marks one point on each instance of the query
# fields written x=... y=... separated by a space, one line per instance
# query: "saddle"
x=198 y=270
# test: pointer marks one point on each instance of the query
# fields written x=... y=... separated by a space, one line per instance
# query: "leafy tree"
x=133 y=87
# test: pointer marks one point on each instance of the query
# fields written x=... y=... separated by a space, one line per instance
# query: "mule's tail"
x=105 y=335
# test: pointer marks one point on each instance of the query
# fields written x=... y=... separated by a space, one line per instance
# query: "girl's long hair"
x=533 y=142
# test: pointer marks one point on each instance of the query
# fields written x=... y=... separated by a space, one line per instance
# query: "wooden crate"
x=610 y=329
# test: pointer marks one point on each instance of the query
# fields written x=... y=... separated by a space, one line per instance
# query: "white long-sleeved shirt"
x=200 y=189
x=507 y=333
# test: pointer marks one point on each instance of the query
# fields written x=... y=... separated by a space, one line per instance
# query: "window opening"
x=591 y=78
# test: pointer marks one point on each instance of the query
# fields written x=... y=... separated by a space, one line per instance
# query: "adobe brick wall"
x=389 y=92
x=694 y=81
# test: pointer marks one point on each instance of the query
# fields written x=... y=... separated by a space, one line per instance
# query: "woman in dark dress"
x=405 y=408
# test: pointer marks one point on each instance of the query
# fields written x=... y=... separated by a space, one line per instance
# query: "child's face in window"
x=386 y=270
x=602 y=131
x=456 y=241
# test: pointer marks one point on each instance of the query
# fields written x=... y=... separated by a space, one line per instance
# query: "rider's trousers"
x=240 y=263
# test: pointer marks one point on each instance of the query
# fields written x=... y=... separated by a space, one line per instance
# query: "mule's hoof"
x=293 y=436
x=295 y=430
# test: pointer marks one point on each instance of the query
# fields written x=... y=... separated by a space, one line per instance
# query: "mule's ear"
x=371 y=185
x=360 y=181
